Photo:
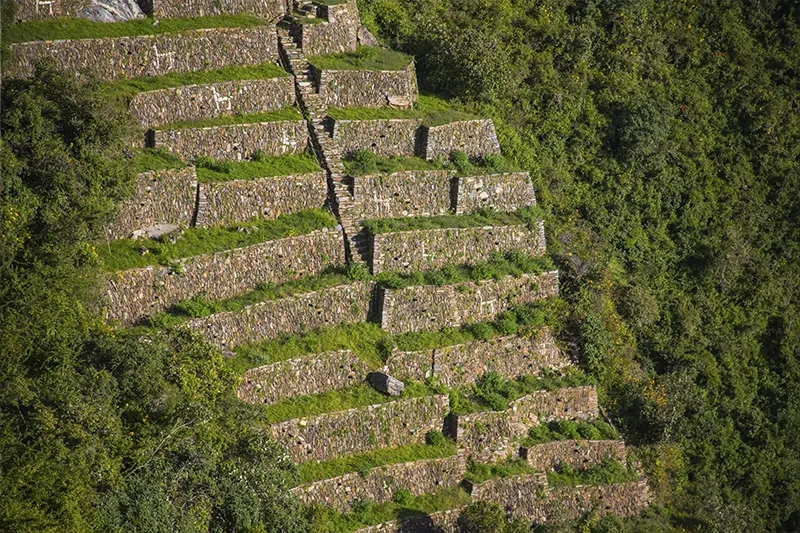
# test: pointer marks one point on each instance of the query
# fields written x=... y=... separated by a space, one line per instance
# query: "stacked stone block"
x=235 y=141
x=504 y=192
x=267 y=9
x=476 y=138
x=199 y=102
x=134 y=294
x=409 y=251
x=229 y=202
x=339 y=34
x=294 y=314
x=149 y=55
x=579 y=454
x=380 y=484
x=354 y=431
x=160 y=197
x=367 y=88
x=311 y=374
x=430 y=307
x=462 y=364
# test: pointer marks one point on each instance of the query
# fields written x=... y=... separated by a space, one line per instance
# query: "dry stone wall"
x=476 y=138
x=160 y=197
x=463 y=364
x=367 y=88
x=339 y=34
x=580 y=454
x=235 y=141
x=294 y=314
x=385 y=137
x=439 y=522
x=504 y=192
x=409 y=251
x=417 y=193
x=267 y=9
x=150 y=55
x=354 y=431
x=379 y=484
x=40 y=9
x=430 y=307
x=529 y=498
x=229 y=202
x=492 y=435
x=311 y=374
x=200 y=102
x=133 y=294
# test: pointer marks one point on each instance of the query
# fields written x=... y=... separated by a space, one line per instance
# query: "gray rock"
x=366 y=38
x=155 y=231
x=385 y=383
x=111 y=11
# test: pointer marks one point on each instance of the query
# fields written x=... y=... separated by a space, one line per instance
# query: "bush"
x=482 y=517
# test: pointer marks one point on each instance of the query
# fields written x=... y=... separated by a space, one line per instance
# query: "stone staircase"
x=483 y=436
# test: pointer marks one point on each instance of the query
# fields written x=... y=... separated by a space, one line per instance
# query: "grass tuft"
x=480 y=472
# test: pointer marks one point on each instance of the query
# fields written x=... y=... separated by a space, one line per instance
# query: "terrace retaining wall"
x=310 y=374
x=294 y=314
x=579 y=454
x=150 y=55
x=266 y=9
x=134 y=294
x=409 y=251
x=200 y=102
x=367 y=88
x=342 y=433
x=430 y=307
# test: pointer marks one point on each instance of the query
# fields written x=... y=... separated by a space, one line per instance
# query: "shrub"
x=435 y=438
x=482 y=517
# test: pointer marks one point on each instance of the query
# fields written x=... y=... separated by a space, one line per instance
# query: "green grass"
x=570 y=430
x=123 y=254
x=310 y=472
x=286 y=113
x=360 y=395
x=480 y=472
x=66 y=28
x=127 y=89
x=363 y=162
x=368 y=513
x=364 y=58
x=261 y=166
x=500 y=265
x=608 y=472
x=147 y=159
x=200 y=306
x=431 y=110
x=485 y=217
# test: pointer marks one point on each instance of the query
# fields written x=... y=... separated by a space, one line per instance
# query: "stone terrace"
x=175 y=198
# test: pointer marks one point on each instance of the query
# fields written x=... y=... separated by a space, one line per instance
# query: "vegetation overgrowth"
x=570 y=430
x=122 y=254
x=528 y=216
x=664 y=144
x=67 y=28
x=364 y=58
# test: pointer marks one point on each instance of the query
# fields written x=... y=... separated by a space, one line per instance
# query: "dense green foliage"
x=664 y=140
x=100 y=430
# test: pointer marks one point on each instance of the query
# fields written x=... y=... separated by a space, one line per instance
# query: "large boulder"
x=385 y=383
x=111 y=11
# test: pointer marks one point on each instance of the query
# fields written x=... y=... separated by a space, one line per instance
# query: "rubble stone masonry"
x=150 y=55
x=341 y=433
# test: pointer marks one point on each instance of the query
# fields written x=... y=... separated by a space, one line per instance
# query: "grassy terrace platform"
x=608 y=472
x=147 y=159
x=364 y=58
x=123 y=254
x=364 y=162
x=66 y=28
x=261 y=166
x=430 y=109
x=570 y=430
x=126 y=89
x=286 y=113
x=525 y=216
